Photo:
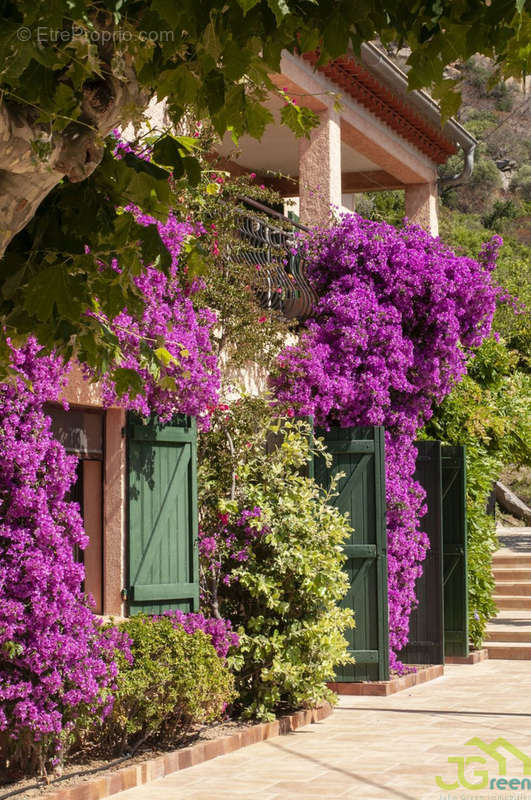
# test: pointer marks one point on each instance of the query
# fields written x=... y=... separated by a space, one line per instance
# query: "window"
x=81 y=432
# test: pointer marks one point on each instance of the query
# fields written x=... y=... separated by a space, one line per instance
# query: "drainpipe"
x=464 y=175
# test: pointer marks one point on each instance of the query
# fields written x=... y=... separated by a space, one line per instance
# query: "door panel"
x=426 y=624
x=359 y=454
x=455 y=550
x=162 y=516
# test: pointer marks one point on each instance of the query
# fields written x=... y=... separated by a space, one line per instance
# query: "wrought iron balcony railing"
x=281 y=283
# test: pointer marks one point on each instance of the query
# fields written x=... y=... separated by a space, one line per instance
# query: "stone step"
x=511 y=559
x=506 y=601
x=509 y=650
x=512 y=574
x=495 y=633
x=513 y=587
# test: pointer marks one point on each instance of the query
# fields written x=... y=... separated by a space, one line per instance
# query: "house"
x=382 y=138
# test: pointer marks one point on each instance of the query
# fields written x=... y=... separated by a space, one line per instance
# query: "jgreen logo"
x=480 y=774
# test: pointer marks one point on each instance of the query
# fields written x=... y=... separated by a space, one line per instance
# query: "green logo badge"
x=479 y=778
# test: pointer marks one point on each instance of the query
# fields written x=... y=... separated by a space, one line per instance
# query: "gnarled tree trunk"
x=32 y=161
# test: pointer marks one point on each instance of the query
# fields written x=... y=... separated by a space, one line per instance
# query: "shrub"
x=55 y=662
x=175 y=679
x=489 y=412
x=522 y=181
x=272 y=560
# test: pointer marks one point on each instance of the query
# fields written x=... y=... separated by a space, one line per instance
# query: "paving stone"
x=389 y=748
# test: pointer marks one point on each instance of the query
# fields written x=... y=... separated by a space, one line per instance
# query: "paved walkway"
x=377 y=747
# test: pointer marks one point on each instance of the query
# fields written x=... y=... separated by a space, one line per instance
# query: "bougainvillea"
x=55 y=662
x=225 y=545
x=397 y=316
x=219 y=630
x=186 y=378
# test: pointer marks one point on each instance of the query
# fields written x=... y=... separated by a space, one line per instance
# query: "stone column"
x=320 y=170
x=421 y=206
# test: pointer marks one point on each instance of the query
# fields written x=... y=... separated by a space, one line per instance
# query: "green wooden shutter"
x=426 y=623
x=162 y=515
x=359 y=454
x=455 y=550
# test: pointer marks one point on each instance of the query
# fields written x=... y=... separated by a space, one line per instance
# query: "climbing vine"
x=397 y=317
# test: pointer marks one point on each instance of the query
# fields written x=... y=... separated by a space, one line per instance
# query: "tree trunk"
x=33 y=161
x=511 y=503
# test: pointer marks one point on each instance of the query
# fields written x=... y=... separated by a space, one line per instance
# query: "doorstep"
x=474 y=657
x=393 y=685
x=150 y=770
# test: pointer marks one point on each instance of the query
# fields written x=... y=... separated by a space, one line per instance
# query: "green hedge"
x=176 y=679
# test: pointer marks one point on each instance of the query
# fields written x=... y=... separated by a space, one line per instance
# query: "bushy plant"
x=55 y=661
x=175 y=679
x=397 y=315
x=271 y=558
x=513 y=272
x=522 y=181
x=490 y=413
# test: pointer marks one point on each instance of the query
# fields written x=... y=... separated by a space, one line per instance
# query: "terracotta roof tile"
x=362 y=86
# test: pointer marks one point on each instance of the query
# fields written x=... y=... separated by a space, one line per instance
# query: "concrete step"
x=509 y=650
x=507 y=601
x=512 y=574
x=513 y=560
x=513 y=587
x=496 y=633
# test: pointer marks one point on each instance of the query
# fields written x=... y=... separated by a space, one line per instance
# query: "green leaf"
x=299 y=119
x=258 y=118
x=247 y=5
x=127 y=381
x=280 y=9
x=193 y=170
x=180 y=82
x=167 y=152
x=449 y=99
x=196 y=262
x=214 y=89
x=153 y=248
x=53 y=288
x=164 y=356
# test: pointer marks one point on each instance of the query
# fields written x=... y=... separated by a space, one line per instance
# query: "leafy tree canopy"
x=73 y=70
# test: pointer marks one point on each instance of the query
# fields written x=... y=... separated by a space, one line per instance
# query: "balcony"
x=281 y=283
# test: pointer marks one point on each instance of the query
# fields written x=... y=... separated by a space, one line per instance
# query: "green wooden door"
x=162 y=516
x=426 y=623
x=359 y=454
x=454 y=550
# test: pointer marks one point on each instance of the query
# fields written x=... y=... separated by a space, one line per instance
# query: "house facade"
x=372 y=136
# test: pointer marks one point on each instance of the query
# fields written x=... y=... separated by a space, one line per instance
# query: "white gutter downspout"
x=464 y=175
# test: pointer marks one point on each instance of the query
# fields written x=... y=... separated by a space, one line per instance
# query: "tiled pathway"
x=377 y=747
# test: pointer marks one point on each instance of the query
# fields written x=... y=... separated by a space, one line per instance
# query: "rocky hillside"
x=499 y=116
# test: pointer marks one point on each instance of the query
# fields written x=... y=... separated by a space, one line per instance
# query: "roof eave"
x=389 y=73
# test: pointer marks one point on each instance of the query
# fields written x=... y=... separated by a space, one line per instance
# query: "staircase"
x=509 y=634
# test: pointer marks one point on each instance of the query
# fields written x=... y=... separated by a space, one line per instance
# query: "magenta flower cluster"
x=396 y=320
x=219 y=630
x=229 y=542
x=55 y=661
x=188 y=377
